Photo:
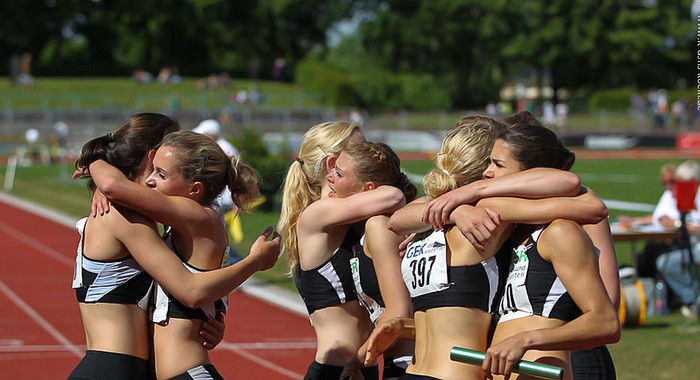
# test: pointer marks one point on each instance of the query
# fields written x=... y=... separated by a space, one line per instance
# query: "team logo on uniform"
x=520 y=253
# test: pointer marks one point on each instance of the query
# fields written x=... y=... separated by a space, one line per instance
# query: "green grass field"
x=662 y=349
x=89 y=93
x=123 y=93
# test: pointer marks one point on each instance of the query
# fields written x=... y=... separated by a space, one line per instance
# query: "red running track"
x=41 y=335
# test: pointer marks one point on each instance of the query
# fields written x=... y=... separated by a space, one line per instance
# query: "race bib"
x=516 y=302
x=424 y=267
x=373 y=308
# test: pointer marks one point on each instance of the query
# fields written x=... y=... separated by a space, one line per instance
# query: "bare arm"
x=140 y=236
x=575 y=264
x=357 y=207
x=476 y=225
x=407 y=220
x=531 y=183
x=607 y=261
x=383 y=247
x=181 y=213
x=584 y=209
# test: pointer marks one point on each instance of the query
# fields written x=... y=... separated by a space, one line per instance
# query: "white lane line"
x=40 y=321
x=614 y=204
x=280 y=297
x=264 y=362
x=614 y=178
x=43 y=248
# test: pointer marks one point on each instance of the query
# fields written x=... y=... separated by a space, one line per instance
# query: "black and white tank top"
x=533 y=287
x=120 y=281
x=166 y=306
x=331 y=283
x=432 y=283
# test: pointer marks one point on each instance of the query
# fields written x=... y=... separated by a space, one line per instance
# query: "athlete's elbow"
x=598 y=213
x=194 y=298
x=610 y=330
x=572 y=183
x=392 y=226
x=109 y=187
x=395 y=198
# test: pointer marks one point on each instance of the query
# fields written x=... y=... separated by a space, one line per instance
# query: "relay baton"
x=542 y=371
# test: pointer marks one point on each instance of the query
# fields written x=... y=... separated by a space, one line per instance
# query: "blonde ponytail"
x=306 y=176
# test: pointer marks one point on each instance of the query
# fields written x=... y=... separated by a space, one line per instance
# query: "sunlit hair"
x=201 y=159
x=463 y=155
x=378 y=163
x=687 y=171
x=533 y=146
x=306 y=177
x=127 y=147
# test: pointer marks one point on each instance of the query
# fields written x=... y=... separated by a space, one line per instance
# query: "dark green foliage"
x=271 y=167
x=335 y=84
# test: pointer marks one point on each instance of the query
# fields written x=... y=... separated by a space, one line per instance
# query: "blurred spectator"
x=660 y=109
x=660 y=218
x=278 y=68
x=254 y=95
x=141 y=76
x=562 y=111
x=242 y=96
x=548 y=112
x=169 y=75
x=175 y=77
x=38 y=152
x=212 y=128
x=61 y=129
x=491 y=110
x=164 y=75
x=667 y=200
x=678 y=267
x=637 y=107
x=31 y=135
x=356 y=117
x=25 y=79
x=679 y=110
x=215 y=81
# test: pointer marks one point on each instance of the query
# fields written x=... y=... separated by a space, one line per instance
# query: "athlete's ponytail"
x=306 y=176
x=243 y=182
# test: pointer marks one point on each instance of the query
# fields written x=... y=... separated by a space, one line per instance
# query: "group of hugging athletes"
x=506 y=253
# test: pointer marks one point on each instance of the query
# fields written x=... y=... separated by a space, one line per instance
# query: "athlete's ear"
x=370 y=186
x=330 y=163
x=151 y=154
x=196 y=189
